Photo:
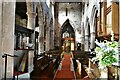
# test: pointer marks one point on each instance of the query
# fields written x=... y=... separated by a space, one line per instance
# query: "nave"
x=65 y=70
x=42 y=39
x=62 y=65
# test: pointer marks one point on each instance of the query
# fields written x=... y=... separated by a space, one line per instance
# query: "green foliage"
x=105 y=53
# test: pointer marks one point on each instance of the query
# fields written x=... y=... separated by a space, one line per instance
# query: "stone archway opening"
x=67 y=37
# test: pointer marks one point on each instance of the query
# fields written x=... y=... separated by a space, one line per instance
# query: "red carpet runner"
x=65 y=72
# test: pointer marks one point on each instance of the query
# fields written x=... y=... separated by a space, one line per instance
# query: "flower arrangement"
x=105 y=53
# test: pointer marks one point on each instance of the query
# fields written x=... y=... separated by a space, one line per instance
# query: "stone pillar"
x=92 y=32
x=82 y=37
x=31 y=20
x=92 y=40
x=86 y=43
x=41 y=38
x=57 y=27
x=7 y=27
x=47 y=34
x=86 y=38
x=53 y=30
x=31 y=25
x=41 y=29
x=52 y=37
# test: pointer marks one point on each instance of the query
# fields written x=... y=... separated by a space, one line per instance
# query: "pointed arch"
x=93 y=24
x=67 y=36
x=66 y=25
x=92 y=18
x=87 y=34
x=86 y=25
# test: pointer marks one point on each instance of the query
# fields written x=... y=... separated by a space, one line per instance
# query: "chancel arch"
x=67 y=36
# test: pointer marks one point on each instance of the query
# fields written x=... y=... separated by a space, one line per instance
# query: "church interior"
x=59 y=39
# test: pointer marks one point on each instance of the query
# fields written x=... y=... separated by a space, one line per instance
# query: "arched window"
x=66 y=34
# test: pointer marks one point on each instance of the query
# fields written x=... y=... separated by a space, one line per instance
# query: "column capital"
x=31 y=14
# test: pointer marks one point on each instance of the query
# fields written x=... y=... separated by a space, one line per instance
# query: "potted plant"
x=105 y=53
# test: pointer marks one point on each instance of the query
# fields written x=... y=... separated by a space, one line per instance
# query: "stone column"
x=53 y=30
x=92 y=32
x=41 y=38
x=86 y=37
x=52 y=37
x=47 y=34
x=31 y=20
x=86 y=42
x=31 y=25
x=57 y=27
x=7 y=27
x=41 y=29
x=82 y=41
x=92 y=40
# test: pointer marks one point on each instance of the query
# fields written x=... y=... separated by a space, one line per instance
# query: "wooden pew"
x=55 y=56
x=95 y=69
x=46 y=65
x=39 y=66
x=80 y=72
x=82 y=56
x=92 y=70
x=84 y=72
x=87 y=65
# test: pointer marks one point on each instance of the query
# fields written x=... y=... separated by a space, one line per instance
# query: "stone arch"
x=71 y=23
x=67 y=22
x=92 y=17
x=87 y=33
x=67 y=29
x=93 y=25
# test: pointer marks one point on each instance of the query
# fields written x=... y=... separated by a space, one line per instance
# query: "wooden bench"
x=92 y=70
x=80 y=72
x=87 y=66
x=55 y=55
x=43 y=62
x=40 y=65
x=84 y=71
x=82 y=56
x=46 y=65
